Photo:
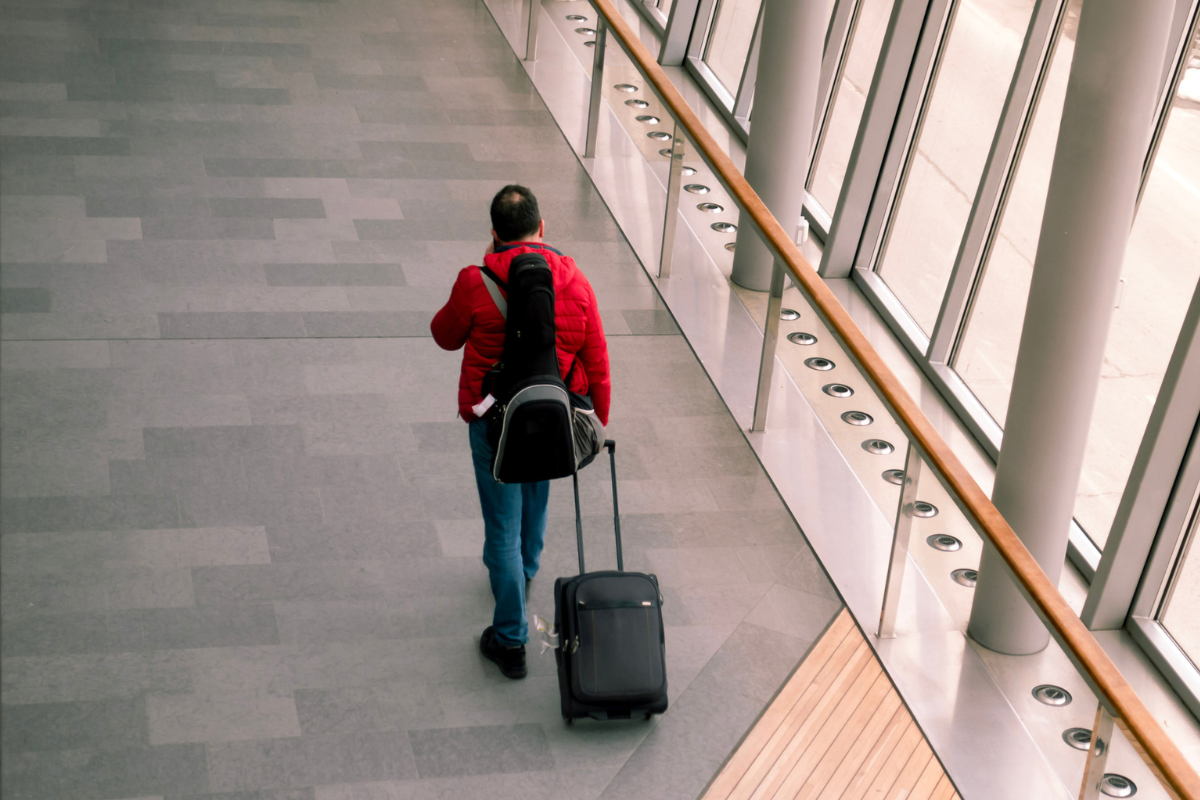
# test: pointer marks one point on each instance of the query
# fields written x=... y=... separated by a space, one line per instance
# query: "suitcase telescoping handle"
x=611 y=447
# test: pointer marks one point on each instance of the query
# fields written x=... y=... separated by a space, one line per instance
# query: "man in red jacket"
x=514 y=515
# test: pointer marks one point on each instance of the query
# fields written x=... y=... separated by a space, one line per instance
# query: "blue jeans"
x=514 y=526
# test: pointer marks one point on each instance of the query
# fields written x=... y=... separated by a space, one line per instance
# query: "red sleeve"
x=593 y=356
x=452 y=323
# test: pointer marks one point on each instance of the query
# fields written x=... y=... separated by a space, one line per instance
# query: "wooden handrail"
x=1161 y=753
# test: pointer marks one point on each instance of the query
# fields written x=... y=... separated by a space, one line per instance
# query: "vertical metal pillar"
x=766 y=366
x=1102 y=142
x=674 y=181
x=593 y=123
x=1097 y=757
x=904 y=521
x=535 y=11
x=785 y=104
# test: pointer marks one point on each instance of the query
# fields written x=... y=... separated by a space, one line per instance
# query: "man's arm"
x=452 y=323
x=593 y=357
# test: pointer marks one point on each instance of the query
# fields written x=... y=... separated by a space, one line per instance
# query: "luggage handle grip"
x=611 y=447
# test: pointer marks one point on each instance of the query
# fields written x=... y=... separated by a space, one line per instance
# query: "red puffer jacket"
x=471 y=318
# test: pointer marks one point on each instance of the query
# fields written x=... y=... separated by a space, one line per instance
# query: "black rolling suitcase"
x=611 y=654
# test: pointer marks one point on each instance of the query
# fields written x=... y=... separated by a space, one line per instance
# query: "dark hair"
x=515 y=214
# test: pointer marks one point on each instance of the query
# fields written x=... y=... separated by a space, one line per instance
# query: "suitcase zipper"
x=606 y=604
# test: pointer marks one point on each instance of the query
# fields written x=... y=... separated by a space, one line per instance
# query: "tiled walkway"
x=241 y=540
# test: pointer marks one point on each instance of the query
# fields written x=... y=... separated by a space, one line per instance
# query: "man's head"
x=515 y=215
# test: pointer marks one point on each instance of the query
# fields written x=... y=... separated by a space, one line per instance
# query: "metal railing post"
x=593 y=123
x=674 y=181
x=899 y=557
x=766 y=366
x=1097 y=758
x=535 y=8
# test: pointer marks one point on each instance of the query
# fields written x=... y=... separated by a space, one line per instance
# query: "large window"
x=987 y=356
x=954 y=136
x=1162 y=264
x=849 y=97
x=729 y=40
x=1179 y=611
x=945 y=195
x=955 y=189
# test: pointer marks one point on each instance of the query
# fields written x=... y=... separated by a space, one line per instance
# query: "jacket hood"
x=561 y=267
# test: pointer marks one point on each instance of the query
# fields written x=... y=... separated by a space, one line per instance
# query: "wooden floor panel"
x=837 y=731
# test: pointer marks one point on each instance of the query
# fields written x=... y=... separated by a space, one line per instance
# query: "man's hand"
x=491 y=248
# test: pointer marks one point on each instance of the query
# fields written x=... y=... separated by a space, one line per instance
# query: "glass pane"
x=665 y=6
x=729 y=40
x=1162 y=264
x=988 y=353
x=976 y=69
x=849 y=97
x=1180 y=613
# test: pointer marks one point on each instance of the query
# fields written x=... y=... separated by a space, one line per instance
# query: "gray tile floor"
x=241 y=540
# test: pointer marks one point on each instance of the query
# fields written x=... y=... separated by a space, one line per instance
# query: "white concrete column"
x=1102 y=142
x=785 y=103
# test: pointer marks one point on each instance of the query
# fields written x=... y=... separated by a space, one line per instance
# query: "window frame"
x=854 y=250
x=736 y=107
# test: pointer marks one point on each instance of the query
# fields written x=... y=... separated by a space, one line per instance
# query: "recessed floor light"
x=965 y=577
x=1114 y=785
x=1052 y=695
x=924 y=510
x=1079 y=738
x=944 y=542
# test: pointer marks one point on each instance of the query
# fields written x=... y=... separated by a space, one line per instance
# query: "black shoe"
x=511 y=660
